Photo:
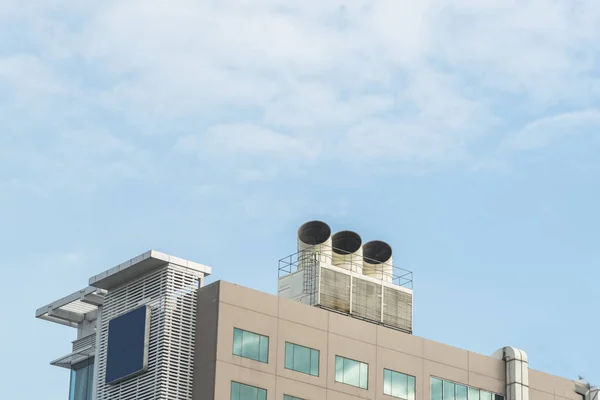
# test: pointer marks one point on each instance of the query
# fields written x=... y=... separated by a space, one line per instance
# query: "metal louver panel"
x=84 y=342
x=335 y=290
x=397 y=309
x=366 y=299
x=171 y=294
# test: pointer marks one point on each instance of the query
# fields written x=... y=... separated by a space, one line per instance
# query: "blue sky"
x=463 y=132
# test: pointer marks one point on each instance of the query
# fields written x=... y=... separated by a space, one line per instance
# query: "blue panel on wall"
x=128 y=339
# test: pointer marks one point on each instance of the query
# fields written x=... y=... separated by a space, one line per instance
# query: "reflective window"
x=436 y=389
x=473 y=394
x=351 y=372
x=301 y=359
x=250 y=345
x=288 y=397
x=447 y=390
x=82 y=380
x=239 y=391
x=461 y=392
x=399 y=385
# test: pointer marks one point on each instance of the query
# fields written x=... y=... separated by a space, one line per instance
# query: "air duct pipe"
x=314 y=243
x=516 y=365
x=347 y=251
x=377 y=261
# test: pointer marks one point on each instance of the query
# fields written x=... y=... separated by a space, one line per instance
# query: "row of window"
x=446 y=390
x=396 y=384
x=240 y=391
x=347 y=371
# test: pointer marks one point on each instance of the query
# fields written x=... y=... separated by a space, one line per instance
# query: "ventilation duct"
x=347 y=251
x=377 y=261
x=314 y=244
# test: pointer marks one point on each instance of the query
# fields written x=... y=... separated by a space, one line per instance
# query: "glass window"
x=301 y=359
x=436 y=389
x=239 y=391
x=82 y=380
x=447 y=390
x=288 y=397
x=351 y=372
x=399 y=385
x=473 y=394
x=250 y=345
x=483 y=395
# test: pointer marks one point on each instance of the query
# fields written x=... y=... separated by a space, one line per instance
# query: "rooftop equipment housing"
x=341 y=274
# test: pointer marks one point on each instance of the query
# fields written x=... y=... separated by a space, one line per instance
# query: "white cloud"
x=244 y=139
x=542 y=132
x=413 y=82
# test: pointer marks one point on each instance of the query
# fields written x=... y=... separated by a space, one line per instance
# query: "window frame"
x=349 y=384
x=309 y=361
x=242 y=345
x=247 y=385
x=86 y=367
x=408 y=376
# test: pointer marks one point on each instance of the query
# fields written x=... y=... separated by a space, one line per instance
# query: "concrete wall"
x=284 y=320
x=205 y=350
x=544 y=386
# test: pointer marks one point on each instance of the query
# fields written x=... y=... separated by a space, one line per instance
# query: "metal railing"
x=310 y=258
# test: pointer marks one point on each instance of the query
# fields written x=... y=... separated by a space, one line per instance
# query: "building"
x=340 y=329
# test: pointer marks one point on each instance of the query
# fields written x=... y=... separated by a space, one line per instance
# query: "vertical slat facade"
x=171 y=293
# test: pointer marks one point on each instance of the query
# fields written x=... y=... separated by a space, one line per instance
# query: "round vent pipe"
x=347 y=251
x=377 y=261
x=314 y=243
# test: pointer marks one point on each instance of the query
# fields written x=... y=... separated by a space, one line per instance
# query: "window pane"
x=235 y=391
x=387 y=381
x=399 y=385
x=473 y=394
x=339 y=369
x=248 y=392
x=82 y=380
x=436 y=389
x=461 y=392
x=239 y=391
x=411 y=388
x=314 y=362
x=449 y=390
x=264 y=349
x=250 y=345
x=483 y=395
x=237 y=342
x=72 y=388
x=351 y=372
x=289 y=355
x=302 y=359
x=262 y=394
x=498 y=397
x=90 y=379
x=364 y=375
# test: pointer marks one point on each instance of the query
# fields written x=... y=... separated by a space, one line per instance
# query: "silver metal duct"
x=347 y=251
x=377 y=261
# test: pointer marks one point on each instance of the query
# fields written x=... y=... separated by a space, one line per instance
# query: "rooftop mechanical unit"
x=341 y=274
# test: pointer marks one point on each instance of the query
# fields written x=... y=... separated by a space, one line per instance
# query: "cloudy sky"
x=463 y=132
